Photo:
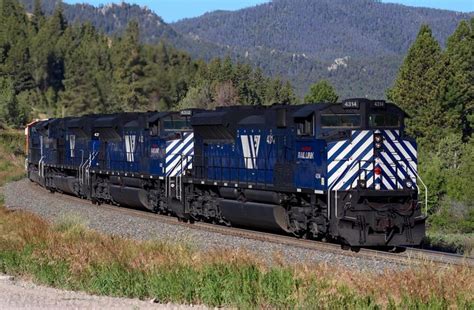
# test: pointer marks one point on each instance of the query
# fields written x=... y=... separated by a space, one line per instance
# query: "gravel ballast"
x=27 y=196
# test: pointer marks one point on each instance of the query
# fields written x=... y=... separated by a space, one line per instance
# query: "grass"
x=450 y=242
x=12 y=158
x=67 y=255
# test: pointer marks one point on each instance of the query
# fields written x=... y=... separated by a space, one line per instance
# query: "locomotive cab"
x=372 y=181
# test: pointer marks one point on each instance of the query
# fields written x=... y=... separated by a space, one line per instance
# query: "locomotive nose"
x=370 y=217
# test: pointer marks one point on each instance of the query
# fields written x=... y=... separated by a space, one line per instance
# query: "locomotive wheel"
x=397 y=249
x=345 y=247
x=391 y=249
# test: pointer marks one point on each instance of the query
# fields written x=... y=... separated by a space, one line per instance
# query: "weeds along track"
x=410 y=257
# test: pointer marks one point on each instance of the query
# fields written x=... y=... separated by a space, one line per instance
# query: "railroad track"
x=411 y=256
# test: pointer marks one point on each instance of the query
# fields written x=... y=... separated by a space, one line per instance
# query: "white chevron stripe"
x=400 y=175
x=411 y=148
x=397 y=148
x=180 y=147
x=335 y=148
x=180 y=168
x=172 y=145
x=356 y=155
x=392 y=151
x=387 y=184
x=370 y=180
x=178 y=158
x=410 y=172
x=386 y=173
x=362 y=176
x=353 y=171
x=396 y=143
x=349 y=148
x=398 y=157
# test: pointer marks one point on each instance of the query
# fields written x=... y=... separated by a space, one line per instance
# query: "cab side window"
x=155 y=130
x=305 y=126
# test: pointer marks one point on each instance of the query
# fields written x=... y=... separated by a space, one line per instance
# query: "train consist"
x=343 y=172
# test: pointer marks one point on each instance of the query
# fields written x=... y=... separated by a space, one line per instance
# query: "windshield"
x=176 y=123
x=340 y=120
x=384 y=120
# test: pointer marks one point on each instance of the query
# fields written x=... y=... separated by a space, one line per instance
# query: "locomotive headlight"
x=409 y=184
x=378 y=141
x=362 y=183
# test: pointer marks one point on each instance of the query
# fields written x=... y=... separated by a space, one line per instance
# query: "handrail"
x=80 y=166
x=334 y=184
x=87 y=168
x=407 y=163
x=177 y=177
x=424 y=185
x=40 y=167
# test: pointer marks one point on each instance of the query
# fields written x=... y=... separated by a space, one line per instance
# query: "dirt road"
x=18 y=294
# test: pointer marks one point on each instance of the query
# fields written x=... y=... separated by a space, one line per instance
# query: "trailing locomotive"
x=345 y=172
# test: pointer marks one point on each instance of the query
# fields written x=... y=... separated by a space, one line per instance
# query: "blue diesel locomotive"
x=343 y=172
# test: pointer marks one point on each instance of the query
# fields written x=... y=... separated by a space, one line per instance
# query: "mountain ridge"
x=358 y=45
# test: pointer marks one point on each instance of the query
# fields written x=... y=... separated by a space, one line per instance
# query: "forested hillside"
x=368 y=38
x=325 y=29
x=50 y=68
x=435 y=87
x=358 y=45
x=113 y=19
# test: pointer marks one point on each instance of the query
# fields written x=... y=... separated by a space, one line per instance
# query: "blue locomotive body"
x=345 y=171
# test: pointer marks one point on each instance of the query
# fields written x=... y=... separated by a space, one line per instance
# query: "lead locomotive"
x=345 y=172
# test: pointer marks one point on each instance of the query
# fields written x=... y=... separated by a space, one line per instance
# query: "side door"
x=309 y=161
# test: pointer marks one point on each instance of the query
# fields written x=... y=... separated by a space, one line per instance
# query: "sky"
x=173 y=10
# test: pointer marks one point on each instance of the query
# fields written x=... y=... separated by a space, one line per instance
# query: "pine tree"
x=8 y=103
x=38 y=17
x=47 y=52
x=85 y=67
x=129 y=70
x=197 y=97
x=415 y=83
x=459 y=95
x=321 y=91
x=240 y=81
x=258 y=87
x=14 y=45
x=288 y=95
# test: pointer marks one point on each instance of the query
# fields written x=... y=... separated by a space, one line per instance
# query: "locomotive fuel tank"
x=252 y=214
x=65 y=184
x=130 y=196
x=129 y=192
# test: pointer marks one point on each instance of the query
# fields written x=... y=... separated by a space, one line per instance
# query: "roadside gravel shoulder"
x=18 y=294
x=24 y=195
